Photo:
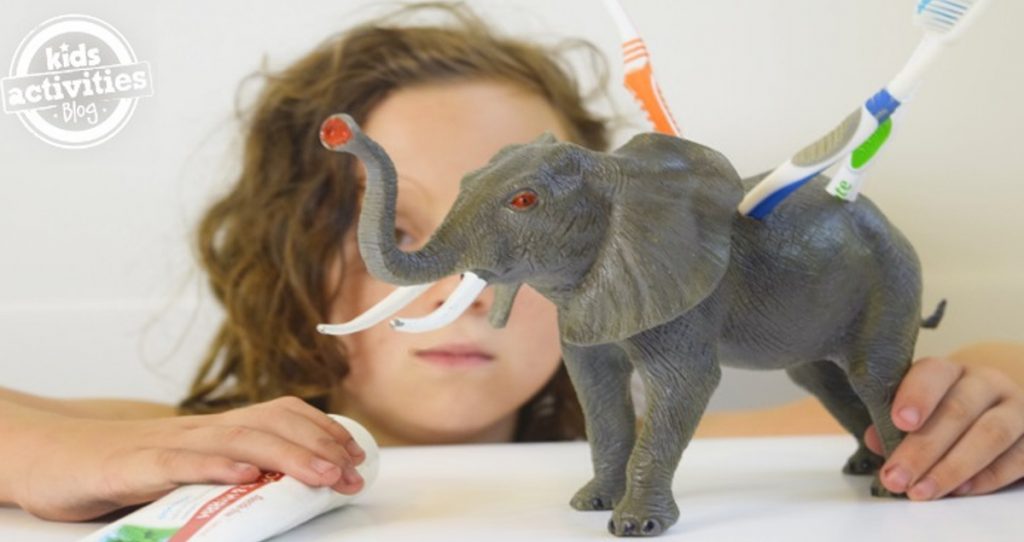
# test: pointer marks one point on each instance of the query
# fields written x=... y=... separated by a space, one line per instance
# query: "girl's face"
x=403 y=386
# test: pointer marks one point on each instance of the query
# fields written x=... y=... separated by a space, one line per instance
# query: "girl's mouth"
x=455 y=355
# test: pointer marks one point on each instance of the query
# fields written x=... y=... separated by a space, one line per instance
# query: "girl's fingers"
x=922 y=449
x=304 y=425
x=984 y=443
x=1005 y=470
x=273 y=452
x=301 y=430
x=324 y=422
x=921 y=391
x=926 y=383
x=148 y=474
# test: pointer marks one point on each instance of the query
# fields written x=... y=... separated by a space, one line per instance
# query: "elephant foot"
x=643 y=517
x=863 y=461
x=879 y=490
x=597 y=496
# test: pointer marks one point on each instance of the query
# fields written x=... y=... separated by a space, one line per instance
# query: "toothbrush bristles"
x=943 y=15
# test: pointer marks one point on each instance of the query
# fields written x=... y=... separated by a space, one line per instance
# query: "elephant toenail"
x=596 y=503
x=628 y=527
x=649 y=526
x=611 y=526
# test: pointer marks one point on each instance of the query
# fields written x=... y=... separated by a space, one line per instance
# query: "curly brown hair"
x=266 y=243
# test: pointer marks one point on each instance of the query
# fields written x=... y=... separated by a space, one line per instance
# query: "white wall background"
x=99 y=294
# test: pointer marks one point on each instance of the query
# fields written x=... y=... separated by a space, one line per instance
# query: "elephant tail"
x=932 y=321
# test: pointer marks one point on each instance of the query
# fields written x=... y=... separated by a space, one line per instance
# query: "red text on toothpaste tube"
x=217 y=504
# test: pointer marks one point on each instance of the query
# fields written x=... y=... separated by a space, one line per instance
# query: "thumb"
x=872 y=440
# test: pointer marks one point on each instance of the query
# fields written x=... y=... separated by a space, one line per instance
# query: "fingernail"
x=351 y=476
x=242 y=467
x=910 y=415
x=923 y=490
x=964 y=488
x=353 y=449
x=322 y=467
x=898 y=479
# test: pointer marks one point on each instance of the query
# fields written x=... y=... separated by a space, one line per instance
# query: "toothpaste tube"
x=249 y=512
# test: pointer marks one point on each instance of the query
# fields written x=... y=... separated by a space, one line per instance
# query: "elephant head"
x=619 y=241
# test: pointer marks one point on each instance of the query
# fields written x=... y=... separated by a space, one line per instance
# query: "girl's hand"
x=83 y=468
x=964 y=429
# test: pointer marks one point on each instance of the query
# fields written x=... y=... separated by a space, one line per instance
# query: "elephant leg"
x=829 y=383
x=679 y=380
x=875 y=379
x=600 y=375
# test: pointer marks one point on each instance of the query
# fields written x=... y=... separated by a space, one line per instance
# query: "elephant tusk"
x=453 y=307
x=391 y=304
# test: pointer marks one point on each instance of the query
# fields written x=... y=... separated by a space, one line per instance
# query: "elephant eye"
x=523 y=200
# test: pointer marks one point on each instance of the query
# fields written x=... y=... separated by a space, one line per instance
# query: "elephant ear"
x=673 y=203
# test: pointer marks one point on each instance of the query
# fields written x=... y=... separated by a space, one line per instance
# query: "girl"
x=280 y=253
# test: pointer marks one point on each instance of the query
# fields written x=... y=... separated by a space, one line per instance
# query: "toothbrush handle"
x=644 y=88
x=818 y=156
x=806 y=164
x=639 y=75
x=848 y=181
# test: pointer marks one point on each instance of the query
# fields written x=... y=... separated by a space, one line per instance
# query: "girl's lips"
x=455 y=355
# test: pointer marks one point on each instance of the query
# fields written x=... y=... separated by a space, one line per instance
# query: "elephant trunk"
x=504 y=295
x=377 y=243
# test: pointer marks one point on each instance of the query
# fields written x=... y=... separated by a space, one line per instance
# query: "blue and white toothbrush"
x=944 y=21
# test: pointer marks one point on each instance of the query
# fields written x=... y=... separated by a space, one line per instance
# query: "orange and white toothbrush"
x=639 y=78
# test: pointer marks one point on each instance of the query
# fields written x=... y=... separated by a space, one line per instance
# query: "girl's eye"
x=403 y=238
x=523 y=200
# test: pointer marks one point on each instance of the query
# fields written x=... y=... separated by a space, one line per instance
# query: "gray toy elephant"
x=653 y=269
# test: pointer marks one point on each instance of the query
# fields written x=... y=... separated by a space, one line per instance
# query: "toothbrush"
x=944 y=21
x=639 y=78
x=848 y=181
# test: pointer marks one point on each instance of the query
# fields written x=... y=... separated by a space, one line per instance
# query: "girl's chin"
x=445 y=427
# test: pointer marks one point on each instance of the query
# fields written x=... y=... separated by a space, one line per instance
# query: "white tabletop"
x=727 y=489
